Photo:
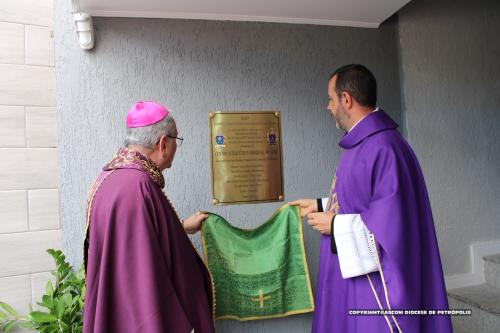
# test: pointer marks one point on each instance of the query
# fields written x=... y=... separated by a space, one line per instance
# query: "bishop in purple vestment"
x=378 y=246
x=143 y=275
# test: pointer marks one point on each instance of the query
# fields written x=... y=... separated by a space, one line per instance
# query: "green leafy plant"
x=63 y=302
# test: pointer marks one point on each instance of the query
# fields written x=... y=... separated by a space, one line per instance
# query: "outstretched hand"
x=193 y=223
x=321 y=222
x=307 y=206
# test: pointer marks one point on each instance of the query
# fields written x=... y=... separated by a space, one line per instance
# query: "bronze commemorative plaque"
x=246 y=157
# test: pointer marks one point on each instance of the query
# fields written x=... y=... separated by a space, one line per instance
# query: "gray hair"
x=149 y=136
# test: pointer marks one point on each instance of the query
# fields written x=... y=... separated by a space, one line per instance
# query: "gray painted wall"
x=450 y=67
x=196 y=66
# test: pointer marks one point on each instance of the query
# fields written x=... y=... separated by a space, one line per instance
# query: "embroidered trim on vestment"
x=129 y=158
x=90 y=199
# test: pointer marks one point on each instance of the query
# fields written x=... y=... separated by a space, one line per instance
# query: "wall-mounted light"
x=85 y=30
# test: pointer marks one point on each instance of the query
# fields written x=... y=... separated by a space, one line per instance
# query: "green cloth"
x=259 y=273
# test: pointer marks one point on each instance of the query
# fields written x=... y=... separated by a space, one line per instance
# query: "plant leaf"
x=27 y=325
x=64 y=326
x=47 y=301
x=48 y=328
x=67 y=299
x=63 y=299
x=42 y=305
x=8 y=326
x=9 y=309
x=49 y=289
x=42 y=317
x=59 y=262
x=60 y=309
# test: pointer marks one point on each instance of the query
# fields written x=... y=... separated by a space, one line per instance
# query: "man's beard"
x=341 y=114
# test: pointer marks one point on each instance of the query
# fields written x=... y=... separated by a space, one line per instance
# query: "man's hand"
x=321 y=222
x=193 y=223
x=307 y=206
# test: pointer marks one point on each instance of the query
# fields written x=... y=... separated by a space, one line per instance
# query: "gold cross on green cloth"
x=261 y=298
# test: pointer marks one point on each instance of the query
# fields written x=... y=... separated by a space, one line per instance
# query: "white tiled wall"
x=41 y=127
x=29 y=198
x=24 y=252
x=28 y=168
x=36 y=12
x=14 y=211
x=39 y=46
x=27 y=85
x=12 y=43
x=12 y=126
x=16 y=289
x=43 y=208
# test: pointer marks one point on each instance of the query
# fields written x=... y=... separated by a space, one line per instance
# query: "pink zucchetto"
x=145 y=113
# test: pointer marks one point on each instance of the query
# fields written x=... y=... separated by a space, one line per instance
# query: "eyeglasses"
x=178 y=139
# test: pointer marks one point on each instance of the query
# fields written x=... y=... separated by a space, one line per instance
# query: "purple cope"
x=143 y=274
x=379 y=177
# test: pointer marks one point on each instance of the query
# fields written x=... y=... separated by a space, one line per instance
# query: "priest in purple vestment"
x=143 y=275
x=379 y=254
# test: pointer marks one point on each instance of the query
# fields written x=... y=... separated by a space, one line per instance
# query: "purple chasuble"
x=142 y=272
x=379 y=177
